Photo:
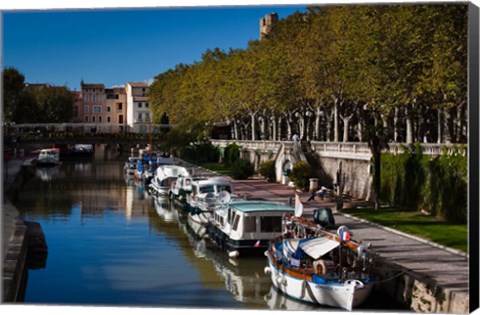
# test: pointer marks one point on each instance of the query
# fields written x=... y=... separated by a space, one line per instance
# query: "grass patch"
x=415 y=223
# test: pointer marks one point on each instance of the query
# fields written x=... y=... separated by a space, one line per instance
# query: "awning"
x=317 y=247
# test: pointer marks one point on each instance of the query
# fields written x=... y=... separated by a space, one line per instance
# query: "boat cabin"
x=248 y=225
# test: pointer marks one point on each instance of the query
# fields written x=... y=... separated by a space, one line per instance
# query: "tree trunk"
x=253 y=126
x=409 y=127
x=439 y=126
x=336 y=127
x=274 y=128
x=447 y=126
x=346 y=126
x=317 y=124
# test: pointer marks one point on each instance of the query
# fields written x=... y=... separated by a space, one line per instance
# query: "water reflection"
x=46 y=174
x=111 y=243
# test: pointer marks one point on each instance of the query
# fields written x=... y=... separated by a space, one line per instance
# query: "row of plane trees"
x=331 y=73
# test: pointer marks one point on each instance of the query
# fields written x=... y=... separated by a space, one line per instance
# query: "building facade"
x=139 y=116
x=116 y=107
x=94 y=111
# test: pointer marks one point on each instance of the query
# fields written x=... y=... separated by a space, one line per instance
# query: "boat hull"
x=346 y=295
x=198 y=223
x=244 y=247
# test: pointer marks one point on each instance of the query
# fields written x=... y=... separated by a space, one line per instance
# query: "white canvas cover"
x=318 y=247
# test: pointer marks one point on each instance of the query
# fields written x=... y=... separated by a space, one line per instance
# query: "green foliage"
x=301 y=174
x=329 y=59
x=437 y=185
x=200 y=153
x=232 y=154
x=242 y=169
x=267 y=170
x=38 y=104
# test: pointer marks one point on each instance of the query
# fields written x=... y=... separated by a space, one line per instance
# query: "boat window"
x=206 y=189
x=249 y=224
x=235 y=222
x=270 y=224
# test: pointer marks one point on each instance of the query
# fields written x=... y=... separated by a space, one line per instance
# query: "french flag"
x=345 y=236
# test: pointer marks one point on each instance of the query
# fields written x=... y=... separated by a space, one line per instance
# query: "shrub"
x=267 y=170
x=200 y=153
x=231 y=154
x=301 y=174
x=242 y=169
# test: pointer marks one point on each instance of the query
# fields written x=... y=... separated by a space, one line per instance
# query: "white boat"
x=245 y=227
x=164 y=177
x=316 y=266
x=181 y=187
x=205 y=193
x=48 y=157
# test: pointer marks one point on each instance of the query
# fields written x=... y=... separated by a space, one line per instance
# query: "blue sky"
x=116 y=46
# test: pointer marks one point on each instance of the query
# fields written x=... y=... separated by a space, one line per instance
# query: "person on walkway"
x=295 y=137
x=322 y=192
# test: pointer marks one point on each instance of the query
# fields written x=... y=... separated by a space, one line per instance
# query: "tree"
x=13 y=85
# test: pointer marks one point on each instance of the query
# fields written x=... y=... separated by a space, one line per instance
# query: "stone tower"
x=266 y=23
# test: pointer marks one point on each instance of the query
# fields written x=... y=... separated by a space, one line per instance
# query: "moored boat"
x=313 y=265
x=245 y=227
x=48 y=157
x=205 y=193
x=164 y=177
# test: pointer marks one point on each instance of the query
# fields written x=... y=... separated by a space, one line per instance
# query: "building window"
x=85 y=97
x=139 y=105
x=108 y=119
x=97 y=109
x=139 y=116
x=108 y=109
x=85 y=109
x=93 y=97
x=146 y=105
x=99 y=118
x=86 y=118
x=100 y=98
x=93 y=118
x=119 y=106
x=120 y=119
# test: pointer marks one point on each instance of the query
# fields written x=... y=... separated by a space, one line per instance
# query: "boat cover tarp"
x=317 y=247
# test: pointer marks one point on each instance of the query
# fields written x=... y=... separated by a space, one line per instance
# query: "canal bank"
x=14 y=233
x=423 y=276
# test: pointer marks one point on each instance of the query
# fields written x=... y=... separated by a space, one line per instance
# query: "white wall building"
x=139 y=116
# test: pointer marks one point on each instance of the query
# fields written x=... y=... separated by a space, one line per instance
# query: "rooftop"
x=260 y=205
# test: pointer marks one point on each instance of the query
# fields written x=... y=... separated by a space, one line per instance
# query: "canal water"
x=112 y=244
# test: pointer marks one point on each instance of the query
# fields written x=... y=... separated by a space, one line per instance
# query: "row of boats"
x=306 y=260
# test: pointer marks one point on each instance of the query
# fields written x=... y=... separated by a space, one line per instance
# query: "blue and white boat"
x=313 y=265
